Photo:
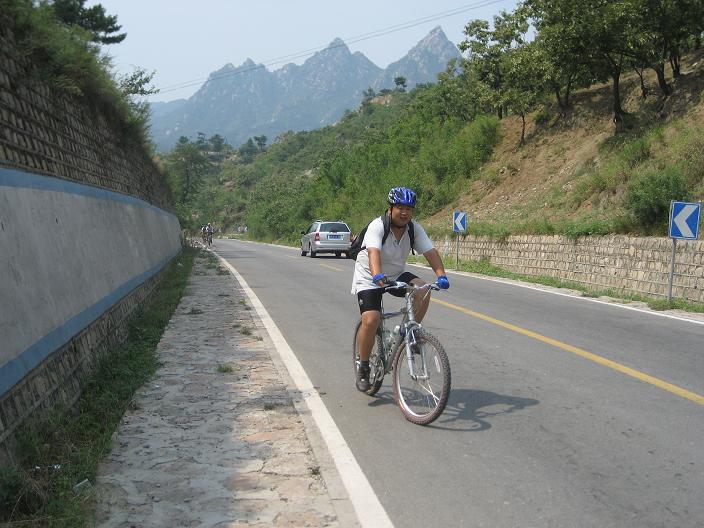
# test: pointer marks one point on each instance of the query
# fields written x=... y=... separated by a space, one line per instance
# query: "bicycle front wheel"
x=421 y=378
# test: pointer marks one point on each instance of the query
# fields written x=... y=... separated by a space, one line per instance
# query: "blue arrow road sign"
x=684 y=220
x=459 y=221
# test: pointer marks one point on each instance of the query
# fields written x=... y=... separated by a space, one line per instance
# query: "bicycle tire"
x=411 y=400
x=377 y=366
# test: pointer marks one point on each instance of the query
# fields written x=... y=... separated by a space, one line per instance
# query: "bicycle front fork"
x=413 y=348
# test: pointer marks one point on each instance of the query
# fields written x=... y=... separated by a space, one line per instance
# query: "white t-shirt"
x=393 y=253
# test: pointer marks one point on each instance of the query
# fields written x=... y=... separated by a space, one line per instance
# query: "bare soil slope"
x=552 y=177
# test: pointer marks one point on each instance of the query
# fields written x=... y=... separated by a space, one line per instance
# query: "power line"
x=351 y=40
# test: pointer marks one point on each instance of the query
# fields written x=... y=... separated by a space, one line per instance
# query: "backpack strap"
x=387 y=227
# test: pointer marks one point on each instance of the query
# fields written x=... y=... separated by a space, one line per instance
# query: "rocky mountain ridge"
x=248 y=100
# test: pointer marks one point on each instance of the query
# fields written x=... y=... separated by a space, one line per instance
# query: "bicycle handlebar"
x=399 y=285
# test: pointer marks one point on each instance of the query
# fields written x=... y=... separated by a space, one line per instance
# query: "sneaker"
x=363 y=379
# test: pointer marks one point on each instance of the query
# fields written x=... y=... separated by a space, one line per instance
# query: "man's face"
x=401 y=215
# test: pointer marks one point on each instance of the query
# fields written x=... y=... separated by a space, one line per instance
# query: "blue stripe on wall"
x=17 y=368
x=16 y=178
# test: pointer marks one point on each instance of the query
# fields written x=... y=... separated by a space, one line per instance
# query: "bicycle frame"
x=408 y=323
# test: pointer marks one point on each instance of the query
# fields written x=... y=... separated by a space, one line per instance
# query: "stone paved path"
x=206 y=446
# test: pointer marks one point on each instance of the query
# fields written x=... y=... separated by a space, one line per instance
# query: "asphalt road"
x=563 y=412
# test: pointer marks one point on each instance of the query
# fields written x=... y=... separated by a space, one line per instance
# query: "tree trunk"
x=662 y=82
x=523 y=129
x=618 y=110
x=675 y=64
x=643 y=88
x=560 y=104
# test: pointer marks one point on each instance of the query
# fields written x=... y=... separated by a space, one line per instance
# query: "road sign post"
x=684 y=225
x=459 y=225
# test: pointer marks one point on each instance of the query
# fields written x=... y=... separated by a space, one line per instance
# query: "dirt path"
x=206 y=446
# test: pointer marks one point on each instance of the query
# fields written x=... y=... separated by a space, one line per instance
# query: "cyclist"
x=208 y=234
x=378 y=264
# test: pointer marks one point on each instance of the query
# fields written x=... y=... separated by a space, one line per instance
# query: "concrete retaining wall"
x=85 y=233
x=628 y=264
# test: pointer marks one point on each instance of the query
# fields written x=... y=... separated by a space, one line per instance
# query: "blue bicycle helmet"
x=402 y=196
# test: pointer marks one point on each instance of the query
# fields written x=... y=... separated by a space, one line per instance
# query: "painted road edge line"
x=642 y=376
x=370 y=512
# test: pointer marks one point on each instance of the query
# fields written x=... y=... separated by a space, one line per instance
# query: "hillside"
x=574 y=172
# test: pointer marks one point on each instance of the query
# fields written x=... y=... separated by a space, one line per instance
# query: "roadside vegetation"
x=531 y=135
x=57 y=454
x=61 y=39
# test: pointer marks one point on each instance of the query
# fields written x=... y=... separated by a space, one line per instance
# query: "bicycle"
x=420 y=366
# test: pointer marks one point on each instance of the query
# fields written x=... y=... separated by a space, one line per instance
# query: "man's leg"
x=367 y=333
x=370 y=310
x=420 y=302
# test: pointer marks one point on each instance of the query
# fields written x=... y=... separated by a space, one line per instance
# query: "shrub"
x=542 y=117
x=648 y=196
x=636 y=152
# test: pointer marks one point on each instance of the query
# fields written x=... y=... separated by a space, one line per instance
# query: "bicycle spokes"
x=422 y=378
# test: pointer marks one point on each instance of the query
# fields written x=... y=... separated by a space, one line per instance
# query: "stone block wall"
x=50 y=133
x=105 y=184
x=638 y=265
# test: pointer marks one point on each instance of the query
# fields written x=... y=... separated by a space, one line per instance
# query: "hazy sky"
x=184 y=41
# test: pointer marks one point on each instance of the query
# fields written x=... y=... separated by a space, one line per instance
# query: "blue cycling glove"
x=443 y=282
x=379 y=278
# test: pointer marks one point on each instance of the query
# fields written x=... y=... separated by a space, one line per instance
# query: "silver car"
x=326 y=237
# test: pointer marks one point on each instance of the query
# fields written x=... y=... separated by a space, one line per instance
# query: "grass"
x=64 y=447
x=224 y=369
x=484 y=267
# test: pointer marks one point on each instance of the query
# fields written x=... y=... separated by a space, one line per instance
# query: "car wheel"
x=338 y=254
x=303 y=252
x=312 y=253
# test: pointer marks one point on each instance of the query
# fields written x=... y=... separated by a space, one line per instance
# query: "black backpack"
x=357 y=246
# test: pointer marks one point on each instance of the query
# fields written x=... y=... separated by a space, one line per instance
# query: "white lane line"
x=370 y=512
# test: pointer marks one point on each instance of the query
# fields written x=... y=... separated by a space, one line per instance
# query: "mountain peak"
x=435 y=39
x=337 y=43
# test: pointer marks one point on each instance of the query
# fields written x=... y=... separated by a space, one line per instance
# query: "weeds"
x=224 y=369
x=64 y=447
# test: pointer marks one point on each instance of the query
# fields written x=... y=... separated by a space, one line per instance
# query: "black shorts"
x=371 y=299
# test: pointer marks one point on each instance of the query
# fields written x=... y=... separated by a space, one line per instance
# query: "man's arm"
x=374 y=261
x=433 y=258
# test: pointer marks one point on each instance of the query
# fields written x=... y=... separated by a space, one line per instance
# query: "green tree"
x=564 y=54
x=186 y=168
x=523 y=83
x=400 y=83
x=217 y=142
x=103 y=27
x=261 y=142
x=486 y=48
x=247 y=151
x=136 y=85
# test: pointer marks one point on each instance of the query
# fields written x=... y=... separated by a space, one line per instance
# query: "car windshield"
x=334 y=227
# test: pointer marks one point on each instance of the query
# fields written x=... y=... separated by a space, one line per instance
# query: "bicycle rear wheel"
x=376 y=364
x=422 y=399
